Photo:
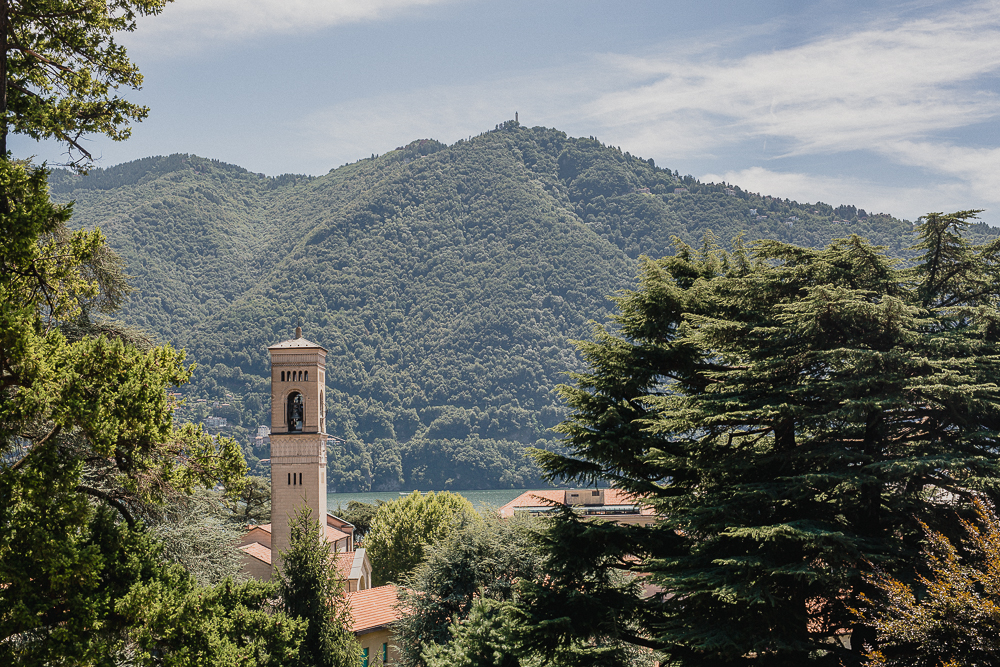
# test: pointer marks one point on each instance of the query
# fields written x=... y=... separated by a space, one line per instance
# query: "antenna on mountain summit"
x=515 y=116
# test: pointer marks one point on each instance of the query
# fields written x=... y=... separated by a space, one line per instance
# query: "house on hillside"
x=605 y=504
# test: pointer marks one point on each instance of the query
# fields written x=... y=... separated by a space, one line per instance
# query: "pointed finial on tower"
x=298 y=329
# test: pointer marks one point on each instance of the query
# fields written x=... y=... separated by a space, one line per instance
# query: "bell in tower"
x=298 y=436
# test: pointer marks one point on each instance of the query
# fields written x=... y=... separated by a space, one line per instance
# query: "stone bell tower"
x=298 y=436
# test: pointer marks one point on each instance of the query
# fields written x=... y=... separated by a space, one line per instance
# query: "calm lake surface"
x=479 y=499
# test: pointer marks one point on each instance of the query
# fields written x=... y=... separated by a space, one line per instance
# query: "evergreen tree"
x=788 y=412
x=251 y=503
x=199 y=532
x=312 y=590
x=360 y=515
x=83 y=420
x=479 y=561
x=60 y=68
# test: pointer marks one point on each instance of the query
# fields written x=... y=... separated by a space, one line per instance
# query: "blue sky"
x=891 y=106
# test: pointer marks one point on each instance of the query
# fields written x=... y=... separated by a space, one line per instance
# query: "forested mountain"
x=447 y=283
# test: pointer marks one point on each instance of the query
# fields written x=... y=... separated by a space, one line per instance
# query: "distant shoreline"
x=478 y=497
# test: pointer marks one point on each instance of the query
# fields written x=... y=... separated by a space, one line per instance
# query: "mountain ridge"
x=446 y=281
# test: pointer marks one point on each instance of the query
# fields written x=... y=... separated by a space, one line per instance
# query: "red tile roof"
x=258 y=551
x=343 y=561
x=332 y=534
x=373 y=608
x=546 y=497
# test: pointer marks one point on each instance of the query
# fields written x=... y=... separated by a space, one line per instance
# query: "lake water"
x=479 y=499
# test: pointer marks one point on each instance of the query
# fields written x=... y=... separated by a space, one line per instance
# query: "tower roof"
x=296 y=343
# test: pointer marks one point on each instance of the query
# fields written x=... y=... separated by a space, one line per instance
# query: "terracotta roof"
x=549 y=496
x=373 y=608
x=258 y=551
x=332 y=534
x=343 y=561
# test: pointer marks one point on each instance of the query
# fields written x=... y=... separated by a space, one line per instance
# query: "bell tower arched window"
x=295 y=412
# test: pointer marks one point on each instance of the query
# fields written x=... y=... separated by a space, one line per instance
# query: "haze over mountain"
x=447 y=283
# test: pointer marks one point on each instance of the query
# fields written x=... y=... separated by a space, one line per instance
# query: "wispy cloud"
x=190 y=23
x=894 y=90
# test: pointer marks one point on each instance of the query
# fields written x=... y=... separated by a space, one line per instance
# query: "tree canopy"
x=402 y=529
x=788 y=412
x=482 y=560
x=60 y=68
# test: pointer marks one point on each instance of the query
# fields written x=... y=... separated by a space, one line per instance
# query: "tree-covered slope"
x=447 y=282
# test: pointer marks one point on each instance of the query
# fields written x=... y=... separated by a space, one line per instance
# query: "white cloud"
x=847 y=92
x=186 y=24
x=978 y=168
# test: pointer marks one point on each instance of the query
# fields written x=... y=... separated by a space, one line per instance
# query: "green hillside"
x=446 y=281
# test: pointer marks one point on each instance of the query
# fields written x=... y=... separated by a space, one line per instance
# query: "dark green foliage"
x=63 y=567
x=178 y=624
x=251 y=503
x=789 y=412
x=83 y=588
x=482 y=560
x=88 y=447
x=482 y=639
x=201 y=533
x=311 y=590
x=360 y=515
x=447 y=282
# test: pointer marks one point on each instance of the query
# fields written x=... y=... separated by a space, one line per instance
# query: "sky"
x=891 y=106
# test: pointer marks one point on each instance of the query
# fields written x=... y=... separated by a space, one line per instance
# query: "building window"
x=307 y=376
x=300 y=479
x=385 y=653
x=294 y=412
x=282 y=376
x=289 y=479
x=364 y=657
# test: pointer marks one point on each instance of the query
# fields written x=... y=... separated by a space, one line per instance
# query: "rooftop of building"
x=592 y=501
x=332 y=534
x=373 y=608
x=297 y=342
x=258 y=551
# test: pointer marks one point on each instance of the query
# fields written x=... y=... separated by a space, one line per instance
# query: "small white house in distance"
x=604 y=504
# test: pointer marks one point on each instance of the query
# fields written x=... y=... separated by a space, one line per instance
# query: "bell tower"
x=298 y=436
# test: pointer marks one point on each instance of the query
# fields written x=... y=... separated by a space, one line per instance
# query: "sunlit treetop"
x=62 y=70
